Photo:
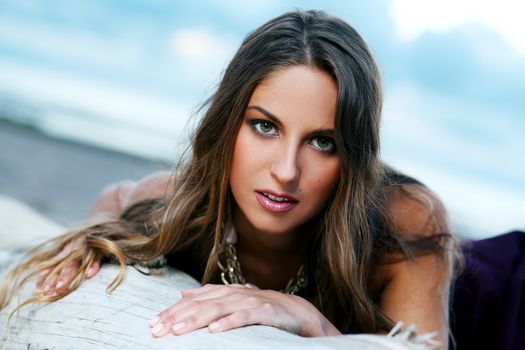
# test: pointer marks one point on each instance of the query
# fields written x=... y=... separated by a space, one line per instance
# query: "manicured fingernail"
x=178 y=326
x=154 y=321
x=157 y=328
x=60 y=284
x=214 y=326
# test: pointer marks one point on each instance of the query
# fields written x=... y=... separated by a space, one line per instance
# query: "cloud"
x=505 y=17
x=201 y=44
x=478 y=208
x=470 y=61
x=201 y=55
x=89 y=108
x=48 y=42
x=438 y=124
x=472 y=163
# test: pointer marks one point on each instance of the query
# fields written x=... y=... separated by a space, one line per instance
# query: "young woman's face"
x=285 y=165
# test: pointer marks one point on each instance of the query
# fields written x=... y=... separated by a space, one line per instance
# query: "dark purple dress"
x=488 y=303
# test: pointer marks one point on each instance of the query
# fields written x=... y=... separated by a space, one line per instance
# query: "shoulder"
x=415 y=290
x=419 y=221
x=115 y=198
x=156 y=185
x=415 y=211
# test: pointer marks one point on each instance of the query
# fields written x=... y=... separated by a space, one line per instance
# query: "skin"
x=290 y=157
x=269 y=245
x=416 y=291
x=285 y=145
x=109 y=205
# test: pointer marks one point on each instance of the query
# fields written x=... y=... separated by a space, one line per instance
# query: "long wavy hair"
x=351 y=234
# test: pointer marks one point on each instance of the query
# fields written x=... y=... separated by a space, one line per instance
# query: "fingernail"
x=90 y=271
x=214 y=326
x=154 y=321
x=46 y=288
x=60 y=284
x=157 y=328
x=178 y=326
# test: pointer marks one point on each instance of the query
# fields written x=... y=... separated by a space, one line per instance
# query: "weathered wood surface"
x=92 y=319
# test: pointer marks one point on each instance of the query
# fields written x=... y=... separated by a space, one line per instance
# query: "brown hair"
x=351 y=234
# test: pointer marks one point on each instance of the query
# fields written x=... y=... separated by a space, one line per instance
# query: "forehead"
x=298 y=93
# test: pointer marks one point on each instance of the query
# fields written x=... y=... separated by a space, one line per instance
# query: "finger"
x=93 y=269
x=50 y=281
x=211 y=289
x=196 y=310
x=67 y=275
x=183 y=310
x=68 y=248
x=200 y=290
x=233 y=296
x=237 y=319
x=164 y=322
x=160 y=330
x=56 y=276
x=41 y=277
x=183 y=323
x=62 y=285
x=266 y=313
x=196 y=314
x=252 y=286
x=172 y=314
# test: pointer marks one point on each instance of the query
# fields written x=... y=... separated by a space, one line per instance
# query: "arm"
x=110 y=204
x=417 y=290
x=115 y=198
x=224 y=307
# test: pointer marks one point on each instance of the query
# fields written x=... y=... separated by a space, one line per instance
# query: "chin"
x=274 y=228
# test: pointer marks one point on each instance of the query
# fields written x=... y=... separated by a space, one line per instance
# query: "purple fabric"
x=488 y=305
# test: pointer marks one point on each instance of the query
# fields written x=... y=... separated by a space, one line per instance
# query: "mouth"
x=276 y=202
x=276 y=198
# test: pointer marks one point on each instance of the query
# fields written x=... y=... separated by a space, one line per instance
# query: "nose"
x=285 y=166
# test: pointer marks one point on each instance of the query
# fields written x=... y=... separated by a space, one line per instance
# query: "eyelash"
x=256 y=123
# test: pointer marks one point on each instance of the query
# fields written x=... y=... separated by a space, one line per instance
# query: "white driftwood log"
x=92 y=319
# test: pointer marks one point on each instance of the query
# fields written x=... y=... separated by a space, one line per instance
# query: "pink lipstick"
x=274 y=202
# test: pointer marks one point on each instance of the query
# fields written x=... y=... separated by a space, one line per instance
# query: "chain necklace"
x=231 y=272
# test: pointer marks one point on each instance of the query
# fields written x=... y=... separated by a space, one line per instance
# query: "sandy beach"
x=60 y=178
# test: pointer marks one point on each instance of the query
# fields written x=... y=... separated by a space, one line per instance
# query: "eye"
x=323 y=143
x=264 y=127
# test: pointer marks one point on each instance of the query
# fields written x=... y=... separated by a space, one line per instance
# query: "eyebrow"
x=276 y=120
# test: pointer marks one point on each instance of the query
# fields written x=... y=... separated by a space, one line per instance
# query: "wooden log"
x=90 y=318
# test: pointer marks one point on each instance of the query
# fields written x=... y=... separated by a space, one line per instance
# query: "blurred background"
x=97 y=91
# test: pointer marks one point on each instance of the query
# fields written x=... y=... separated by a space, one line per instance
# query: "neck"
x=268 y=260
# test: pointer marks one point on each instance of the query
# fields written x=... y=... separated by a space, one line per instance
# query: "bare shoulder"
x=115 y=198
x=416 y=290
x=156 y=185
x=415 y=211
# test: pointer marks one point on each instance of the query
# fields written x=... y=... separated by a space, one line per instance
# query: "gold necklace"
x=232 y=273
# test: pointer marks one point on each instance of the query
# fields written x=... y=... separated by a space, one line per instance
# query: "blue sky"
x=128 y=74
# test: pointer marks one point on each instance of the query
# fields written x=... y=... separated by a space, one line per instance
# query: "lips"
x=275 y=202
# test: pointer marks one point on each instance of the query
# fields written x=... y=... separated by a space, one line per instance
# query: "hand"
x=57 y=280
x=222 y=308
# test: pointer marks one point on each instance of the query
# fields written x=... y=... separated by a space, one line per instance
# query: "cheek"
x=326 y=181
x=245 y=158
x=236 y=165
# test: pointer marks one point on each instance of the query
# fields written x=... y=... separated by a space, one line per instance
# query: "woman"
x=285 y=191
